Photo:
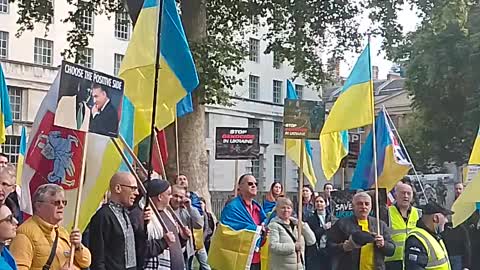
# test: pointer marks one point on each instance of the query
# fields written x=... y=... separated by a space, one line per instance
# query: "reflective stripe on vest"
x=400 y=230
x=437 y=253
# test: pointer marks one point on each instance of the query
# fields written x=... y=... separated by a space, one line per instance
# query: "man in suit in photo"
x=104 y=115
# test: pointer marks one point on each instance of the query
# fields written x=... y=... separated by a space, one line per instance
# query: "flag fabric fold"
x=21 y=155
x=293 y=146
x=6 y=119
x=353 y=108
x=465 y=204
x=392 y=163
x=177 y=76
x=236 y=238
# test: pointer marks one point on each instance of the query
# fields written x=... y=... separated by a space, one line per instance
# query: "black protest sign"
x=344 y=203
x=89 y=100
x=303 y=119
x=237 y=143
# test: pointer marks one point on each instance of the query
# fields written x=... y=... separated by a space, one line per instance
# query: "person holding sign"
x=355 y=242
x=104 y=115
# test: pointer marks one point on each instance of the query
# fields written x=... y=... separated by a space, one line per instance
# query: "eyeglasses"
x=132 y=188
x=252 y=184
x=10 y=219
x=57 y=203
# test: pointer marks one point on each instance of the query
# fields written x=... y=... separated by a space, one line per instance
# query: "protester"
x=458 y=187
x=182 y=181
x=403 y=218
x=244 y=216
x=112 y=240
x=320 y=222
x=424 y=247
x=457 y=241
x=3 y=160
x=276 y=191
x=8 y=229
x=8 y=177
x=190 y=218
x=473 y=226
x=327 y=189
x=354 y=242
x=41 y=241
x=308 y=200
x=208 y=225
x=284 y=241
x=7 y=183
x=168 y=253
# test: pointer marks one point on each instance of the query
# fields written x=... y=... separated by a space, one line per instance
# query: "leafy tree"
x=297 y=31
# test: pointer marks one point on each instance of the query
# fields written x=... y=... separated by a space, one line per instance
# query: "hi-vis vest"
x=436 y=250
x=400 y=230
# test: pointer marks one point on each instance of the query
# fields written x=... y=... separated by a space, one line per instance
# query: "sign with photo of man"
x=89 y=100
x=303 y=119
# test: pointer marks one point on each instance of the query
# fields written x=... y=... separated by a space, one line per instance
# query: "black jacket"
x=342 y=230
x=106 y=122
x=457 y=242
x=415 y=254
x=315 y=257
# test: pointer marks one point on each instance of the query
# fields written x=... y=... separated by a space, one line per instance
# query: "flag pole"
x=406 y=152
x=155 y=91
x=79 y=198
x=284 y=169
x=235 y=185
x=144 y=170
x=374 y=136
x=139 y=181
x=300 y=199
x=176 y=144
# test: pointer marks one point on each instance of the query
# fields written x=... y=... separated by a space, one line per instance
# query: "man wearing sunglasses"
x=41 y=243
x=8 y=230
x=8 y=195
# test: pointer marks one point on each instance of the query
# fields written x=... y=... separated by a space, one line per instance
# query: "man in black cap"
x=424 y=248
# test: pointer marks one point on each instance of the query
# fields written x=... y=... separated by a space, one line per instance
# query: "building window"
x=277 y=168
x=277 y=132
x=16 y=98
x=253 y=85
x=256 y=169
x=277 y=62
x=122 y=25
x=253 y=123
x=87 y=21
x=12 y=147
x=277 y=92
x=117 y=62
x=3 y=45
x=43 y=52
x=299 y=90
x=4 y=4
x=254 y=50
x=87 y=60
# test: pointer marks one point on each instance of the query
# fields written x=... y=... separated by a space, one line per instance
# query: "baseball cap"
x=433 y=208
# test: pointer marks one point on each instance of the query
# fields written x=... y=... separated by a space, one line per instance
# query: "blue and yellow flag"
x=293 y=146
x=21 y=155
x=177 y=78
x=6 y=119
x=475 y=154
x=353 y=108
x=392 y=162
x=236 y=238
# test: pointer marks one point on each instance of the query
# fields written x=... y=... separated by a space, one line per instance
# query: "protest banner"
x=89 y=100
x=303 y=119
x=344 y=204
x=233 y=143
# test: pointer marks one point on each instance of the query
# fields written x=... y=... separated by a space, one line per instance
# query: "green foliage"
x=442 y=60
x=297 y=31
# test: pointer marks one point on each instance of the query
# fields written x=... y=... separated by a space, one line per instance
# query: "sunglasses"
x=10 y=219
x=252 y=184
x=57 y=203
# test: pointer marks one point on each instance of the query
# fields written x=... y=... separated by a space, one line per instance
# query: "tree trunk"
x=191 y=128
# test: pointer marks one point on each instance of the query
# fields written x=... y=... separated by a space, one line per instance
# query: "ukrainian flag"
x=5 y=110
x=465 y=205
x=353 y=108
x=21 y=156
x=178 y=76
x=392 y=163
x=293 y=146
x=236 y=238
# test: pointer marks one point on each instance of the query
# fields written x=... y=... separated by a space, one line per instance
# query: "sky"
x=407 y=18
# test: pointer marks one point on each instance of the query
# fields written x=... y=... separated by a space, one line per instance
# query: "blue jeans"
x=456 y=262
x=202 y=259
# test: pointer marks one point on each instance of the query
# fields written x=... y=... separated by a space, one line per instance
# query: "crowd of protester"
x=170 y=227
